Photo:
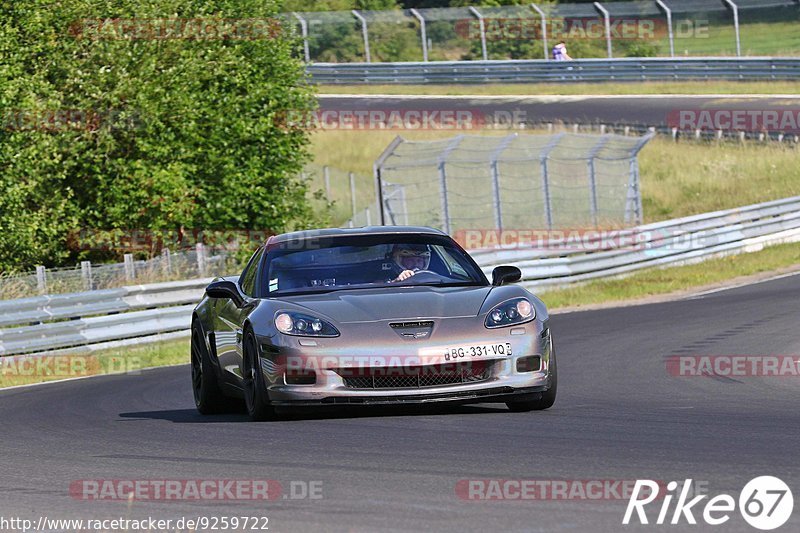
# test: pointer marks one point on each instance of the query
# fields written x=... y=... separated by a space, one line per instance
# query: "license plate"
x=474 y=351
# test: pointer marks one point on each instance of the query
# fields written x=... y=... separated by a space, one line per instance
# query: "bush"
x=107 y=128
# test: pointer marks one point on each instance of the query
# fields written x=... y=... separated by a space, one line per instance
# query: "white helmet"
x=412 y=256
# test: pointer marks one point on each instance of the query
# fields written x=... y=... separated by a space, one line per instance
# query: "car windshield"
x=322 y=264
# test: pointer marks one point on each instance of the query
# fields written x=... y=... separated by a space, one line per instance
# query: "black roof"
x=365 y=230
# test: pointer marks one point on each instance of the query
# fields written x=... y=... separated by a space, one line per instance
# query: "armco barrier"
x=579 y=70
x=53 y=322
x=39 y=309
x=717 y=233
x=148 y=312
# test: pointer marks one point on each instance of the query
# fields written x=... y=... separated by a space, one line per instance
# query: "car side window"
x=453 y=267
x=248 y=279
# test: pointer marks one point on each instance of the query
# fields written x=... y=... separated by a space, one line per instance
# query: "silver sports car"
x=376 y=315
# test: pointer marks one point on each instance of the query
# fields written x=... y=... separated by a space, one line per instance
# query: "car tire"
x=548 y=397
x=256 y=396
x=208 y=397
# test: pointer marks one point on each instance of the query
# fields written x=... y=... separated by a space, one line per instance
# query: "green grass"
x=688 y=178
x=130 y=359
x=766 y=38
x=536 y=89
x=660 y=281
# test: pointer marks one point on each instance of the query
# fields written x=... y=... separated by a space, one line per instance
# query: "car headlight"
x=292 y=323
x=509 y=313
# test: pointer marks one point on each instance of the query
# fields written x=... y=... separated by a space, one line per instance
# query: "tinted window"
x=247 y=281
x=367 y=261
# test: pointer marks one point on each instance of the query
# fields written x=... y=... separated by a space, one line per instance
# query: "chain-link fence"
x=517 y=181
x=630 y=28
x=87 y=276
x=348 y=197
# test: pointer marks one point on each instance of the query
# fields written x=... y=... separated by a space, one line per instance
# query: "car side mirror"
x=505 y=274
x=225 y=290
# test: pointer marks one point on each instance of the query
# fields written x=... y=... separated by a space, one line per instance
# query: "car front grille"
x=415 y=377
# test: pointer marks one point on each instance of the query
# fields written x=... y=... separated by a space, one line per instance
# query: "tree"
x=154 y=116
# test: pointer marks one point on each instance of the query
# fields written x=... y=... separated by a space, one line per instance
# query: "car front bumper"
x=502 y=383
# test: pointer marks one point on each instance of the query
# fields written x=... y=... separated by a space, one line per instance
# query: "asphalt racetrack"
x=643 y=110
x=619 y=416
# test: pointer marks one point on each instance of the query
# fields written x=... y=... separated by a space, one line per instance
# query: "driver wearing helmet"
x=408 y=259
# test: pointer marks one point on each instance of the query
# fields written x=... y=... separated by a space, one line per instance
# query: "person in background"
x=560 y=52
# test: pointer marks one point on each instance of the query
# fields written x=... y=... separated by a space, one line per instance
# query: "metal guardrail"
x=67 y=306
x=579 y=70
x=684 y=240
x=45 y=323
x=149 y=312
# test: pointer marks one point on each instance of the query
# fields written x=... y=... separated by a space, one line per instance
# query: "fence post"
x=633 y=208
x=353 y=194
x=735 y=9
x=41 y=280
x=326 y=174
x=483 y=30
x=130 y=271
x=304 y=33
x=548 y=213
x=607 y=20
x=548 y=202
x=592 y=192
x=376 y=170
x=668 y=12
x=498 y=212
x=443 y=182
x=364 y=33
x=633 y=202
x=593 y=179
x=544 y=30
x=369 y=217
x=423 y=33
x=443 y=197
x=86 y=275
x=201 y=259
x=166 y=261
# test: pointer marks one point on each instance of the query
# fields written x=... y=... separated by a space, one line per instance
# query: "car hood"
x=395 y=303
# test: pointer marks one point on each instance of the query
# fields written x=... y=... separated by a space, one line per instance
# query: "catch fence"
x=514 y=181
